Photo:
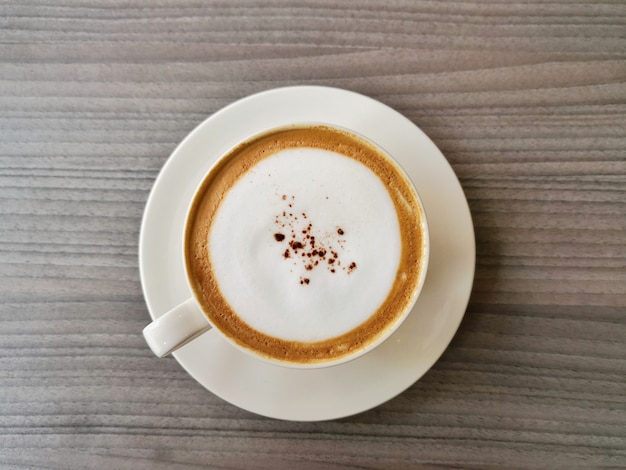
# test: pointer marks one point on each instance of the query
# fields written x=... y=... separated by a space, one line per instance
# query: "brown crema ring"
x=225 y=174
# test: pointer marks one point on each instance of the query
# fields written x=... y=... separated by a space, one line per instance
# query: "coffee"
x=305 y=244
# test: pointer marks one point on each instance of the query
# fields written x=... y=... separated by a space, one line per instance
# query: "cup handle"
x=176 y=328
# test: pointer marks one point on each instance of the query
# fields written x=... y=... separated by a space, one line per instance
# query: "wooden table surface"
x=527 y=101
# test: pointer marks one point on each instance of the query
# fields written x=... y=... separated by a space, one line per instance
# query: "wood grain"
x=526 y=100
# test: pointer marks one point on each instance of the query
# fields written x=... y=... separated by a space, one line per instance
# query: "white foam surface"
x=332 y=193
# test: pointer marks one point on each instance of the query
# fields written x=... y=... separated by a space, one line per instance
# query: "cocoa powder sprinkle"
x=307 y=242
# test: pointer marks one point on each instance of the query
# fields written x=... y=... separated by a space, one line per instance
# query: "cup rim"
x=390 y=329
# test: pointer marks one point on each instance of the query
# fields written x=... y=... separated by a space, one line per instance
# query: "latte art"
x=305 y=244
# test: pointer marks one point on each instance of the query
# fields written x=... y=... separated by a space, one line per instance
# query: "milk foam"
x=305 y=193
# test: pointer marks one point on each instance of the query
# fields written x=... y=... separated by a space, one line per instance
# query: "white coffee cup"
x=314 y=243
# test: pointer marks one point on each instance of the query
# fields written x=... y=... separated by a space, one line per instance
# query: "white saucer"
x=356 y=386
